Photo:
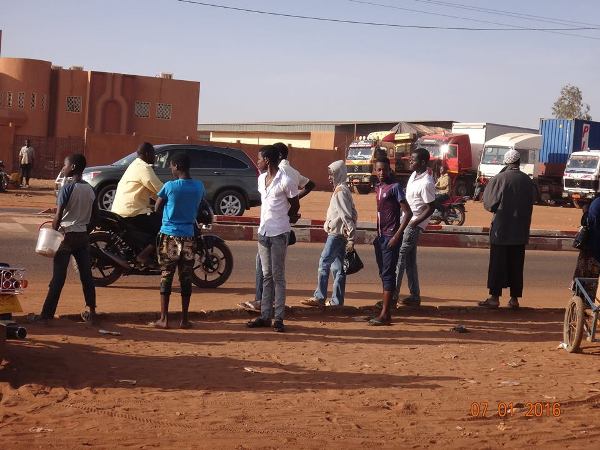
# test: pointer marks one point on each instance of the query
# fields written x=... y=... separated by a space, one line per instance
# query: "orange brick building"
x=104 y=115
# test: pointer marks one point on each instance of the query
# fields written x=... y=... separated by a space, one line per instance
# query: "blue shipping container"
x=564 y=136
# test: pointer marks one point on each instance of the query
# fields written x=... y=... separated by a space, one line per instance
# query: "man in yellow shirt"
x=132 y=199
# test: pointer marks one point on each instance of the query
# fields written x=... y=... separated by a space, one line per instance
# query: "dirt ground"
x=314 y=206
x=328 y=381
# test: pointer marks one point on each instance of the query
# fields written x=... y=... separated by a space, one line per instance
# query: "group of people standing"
x=402 y=216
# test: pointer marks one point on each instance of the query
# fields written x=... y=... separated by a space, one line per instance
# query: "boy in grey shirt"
x=76 y=205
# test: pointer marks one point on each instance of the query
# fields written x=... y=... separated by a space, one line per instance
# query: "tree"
x=569 y=104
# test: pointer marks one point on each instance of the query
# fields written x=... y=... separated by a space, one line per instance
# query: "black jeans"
x=78 y=245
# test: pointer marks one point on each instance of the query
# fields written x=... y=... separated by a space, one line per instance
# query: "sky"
x=256 y=67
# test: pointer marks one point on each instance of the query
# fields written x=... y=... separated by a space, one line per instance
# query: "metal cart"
x=581 y=314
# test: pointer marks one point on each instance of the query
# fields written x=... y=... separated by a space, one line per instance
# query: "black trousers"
x=78 y=245
x=506 y=269
x=25 y=172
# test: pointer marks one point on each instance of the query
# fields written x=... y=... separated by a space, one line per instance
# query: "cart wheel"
x=573 y=324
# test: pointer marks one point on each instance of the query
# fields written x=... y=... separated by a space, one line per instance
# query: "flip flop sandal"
x=488 y=304
x=313 y=303
x=155 y=325
x=378 y=323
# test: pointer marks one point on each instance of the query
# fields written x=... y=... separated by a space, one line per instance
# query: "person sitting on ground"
x=279 y=208
x=132 y=199
x=76 y=209
x=179 y=201
x=393 y=216
x=305 y=186
x=509 y=196
x=340 y=226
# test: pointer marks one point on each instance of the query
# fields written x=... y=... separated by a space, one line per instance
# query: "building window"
x=44 y=102
x=33 y=100
x=142 y=109
x=163 y=111
x=74 y=104
x=21 y=100
x=1 y=99
x=9 y=99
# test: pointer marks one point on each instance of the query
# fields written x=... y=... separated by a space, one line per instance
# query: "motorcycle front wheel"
x=212 y=265
x=455 y=216
x=104 y=270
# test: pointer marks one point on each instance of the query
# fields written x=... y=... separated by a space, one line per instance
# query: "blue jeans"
x=272 y=251
x=386 y=258
x=408 y=261
x=332 y=259
x=259 y=279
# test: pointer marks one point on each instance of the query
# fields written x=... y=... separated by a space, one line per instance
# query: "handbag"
x=291 y=238
x=352 y=263
x=581 y=237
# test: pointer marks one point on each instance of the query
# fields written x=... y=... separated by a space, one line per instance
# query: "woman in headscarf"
x=588 y=261
x=340 y=225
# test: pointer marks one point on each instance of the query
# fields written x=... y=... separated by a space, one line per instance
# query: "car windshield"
x=494 y=155
x=583 y=163
x=126 y=160
x=359 y=153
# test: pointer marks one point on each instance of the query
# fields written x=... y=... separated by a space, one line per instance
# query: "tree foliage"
x=569 y=104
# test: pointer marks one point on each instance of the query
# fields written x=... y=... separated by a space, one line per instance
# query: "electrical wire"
x=501 y=12
x=378 y=24
x=515 y=27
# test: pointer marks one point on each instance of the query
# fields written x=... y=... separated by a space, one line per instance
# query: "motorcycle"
x=4 y=178
x=452 y=212
x=114 y=246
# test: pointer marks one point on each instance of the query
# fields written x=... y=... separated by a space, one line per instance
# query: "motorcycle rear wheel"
x=455 y=215
x=212 y=266
x=104 y=270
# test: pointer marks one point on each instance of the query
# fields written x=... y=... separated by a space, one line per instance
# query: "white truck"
x=481 y=132
x=492 y=158
x=582 y=175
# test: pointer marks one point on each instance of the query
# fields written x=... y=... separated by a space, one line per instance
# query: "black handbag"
x=581 y=238
x=582 y=235
x=352 y=263
x=291 y=238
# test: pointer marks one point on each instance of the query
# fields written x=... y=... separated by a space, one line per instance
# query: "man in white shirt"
x=279 y=207
x=305 y=185
x=26 y=158
x=420 y=195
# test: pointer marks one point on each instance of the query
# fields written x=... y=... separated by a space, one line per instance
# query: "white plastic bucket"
x=48 y=241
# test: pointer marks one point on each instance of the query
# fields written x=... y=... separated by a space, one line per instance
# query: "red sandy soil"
x=329 y=381
x=314 y=206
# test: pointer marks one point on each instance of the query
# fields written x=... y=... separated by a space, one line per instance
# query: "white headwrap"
x=511 y=156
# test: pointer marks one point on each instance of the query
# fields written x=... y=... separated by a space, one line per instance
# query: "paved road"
x=448 y=276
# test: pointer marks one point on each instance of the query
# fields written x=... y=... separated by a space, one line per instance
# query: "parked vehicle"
x=4 y=178
x=114 y=246
x=396 y=144
x=461 y=150
x=492 y=159
x=228 y=174
x=567 y=159
x=582 y=175
x=453 y=212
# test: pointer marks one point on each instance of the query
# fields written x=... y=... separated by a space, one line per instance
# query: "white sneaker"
x=332 y=303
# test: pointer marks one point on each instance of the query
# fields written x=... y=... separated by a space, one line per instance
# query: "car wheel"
x=106 y=196
x=230 y=203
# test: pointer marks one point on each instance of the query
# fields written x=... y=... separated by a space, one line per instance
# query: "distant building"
x=58 y=108
x=322 y=135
